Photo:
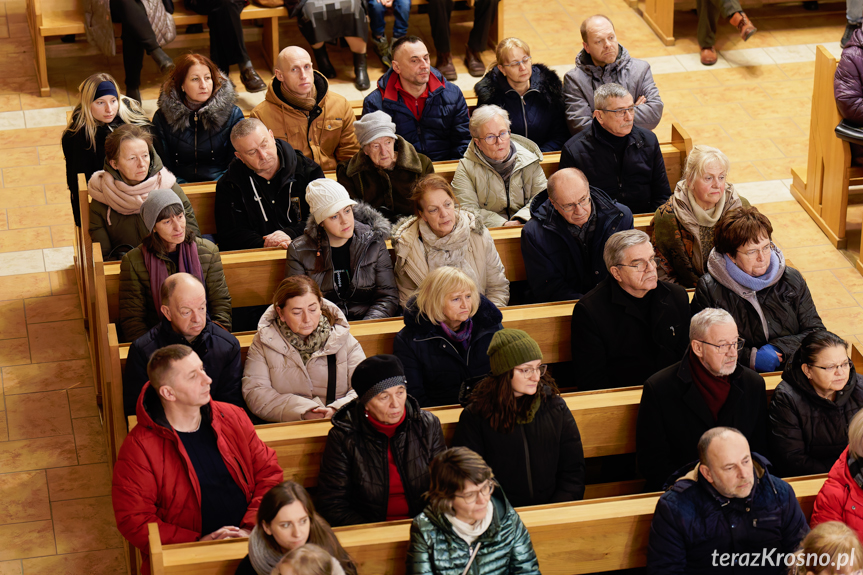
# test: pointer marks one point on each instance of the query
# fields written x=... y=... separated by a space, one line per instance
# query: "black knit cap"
x=375 y=374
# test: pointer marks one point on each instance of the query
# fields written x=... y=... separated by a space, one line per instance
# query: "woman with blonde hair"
x=841 y=496
x=448 y=328
x=532 y=93
x=301 y=360
x=100 y=110
x=308 y=559
x=831 y=548
x=683 y=226
x=442 y=234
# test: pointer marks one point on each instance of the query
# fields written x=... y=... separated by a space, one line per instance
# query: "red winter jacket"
x=840 y=499
x=155 y=482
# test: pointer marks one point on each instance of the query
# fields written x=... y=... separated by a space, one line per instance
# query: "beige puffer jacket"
x=276 y=384
x=480 y=188
x=412 y=266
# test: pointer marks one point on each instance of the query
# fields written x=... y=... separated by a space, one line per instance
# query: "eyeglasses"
x=491 y=140
x=621 y=112
x=485 y=489
x=726 y=347
x=514 y=63
x=528 y=371
x=765 y=251
x=841 y=367
x=640 y=265
x=583 y=203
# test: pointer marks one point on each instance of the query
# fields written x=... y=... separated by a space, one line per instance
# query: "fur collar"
x=213 y=114
x=378 y=226
x=493 y=86
x=408 y=159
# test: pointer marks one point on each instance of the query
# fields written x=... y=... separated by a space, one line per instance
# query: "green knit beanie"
x=509 y=348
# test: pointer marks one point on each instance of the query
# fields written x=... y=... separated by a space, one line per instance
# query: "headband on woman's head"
x=106 y=88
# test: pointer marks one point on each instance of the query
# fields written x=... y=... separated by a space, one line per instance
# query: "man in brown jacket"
x=300 y=109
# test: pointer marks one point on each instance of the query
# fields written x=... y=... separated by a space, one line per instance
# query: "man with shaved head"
x=301 y=109
x=725 y=513
x=185 y=322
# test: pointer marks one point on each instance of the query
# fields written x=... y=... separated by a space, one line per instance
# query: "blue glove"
x=767 y=359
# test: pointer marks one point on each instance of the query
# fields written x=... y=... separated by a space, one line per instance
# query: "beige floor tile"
x=63 y=236
x=730 y=94
x=45 y=345
x=20 y=157
x=24 y=497
x=23 y=196
x=766 y=109
x=79 y=481
x=85 y=525
x=33 y=415
x=797 y=230
x=29 y=217
x=749 y=74
x=679 y=99
x=845 y=321
x=21 y=262
x=47 y=377
x=752 y=150
x=704 y=115
x=63 y=282
x=51 y=155
x=54 y=308
x=759 y=129
x=850 y=278
x=56 y=193
x=685 y=81
x=27 y=285
x=4 y=224
x=106 y=562
x=59 y=97
x=82 y=402
x=742 y=172
x=13 y=177
x=778 y=168
x=48 y=136
x=42 y=453
x=793 y=147
x=797 y=88
x=799 y=69
x=15 y=352
x=4 y=430
x=10 y=102
x=10 y=567
x=827 y=291
x=779 y=207
x=22 y=540
x=89 y=440
x=26 y=239
x=816 y=258
x=12 y=322
x=59 y=259
x=707 y=133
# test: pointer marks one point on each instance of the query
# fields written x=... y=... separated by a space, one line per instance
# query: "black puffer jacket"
x=197 y=144
x=434 y=367
x=787 y=305
x=538 y=462
x=353 y=485
x=807 y=432
x=539 y=115
x=374 y=292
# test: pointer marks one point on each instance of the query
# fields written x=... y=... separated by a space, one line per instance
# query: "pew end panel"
x=659 y=15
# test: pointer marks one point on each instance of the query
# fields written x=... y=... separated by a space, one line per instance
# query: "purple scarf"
x=461 y=336
x=190 y=263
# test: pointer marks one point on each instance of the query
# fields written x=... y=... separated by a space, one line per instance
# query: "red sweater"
x=397 y=506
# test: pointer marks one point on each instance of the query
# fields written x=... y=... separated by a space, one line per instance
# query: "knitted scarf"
x=706 y=219
x=190 y=263
x=854 y=468
x=307 y=104
x=534 y=408
x=123 y=198
x=461 y=336
x=505 y=167
x=262 y=555
x=756 y=284
x=468 y=532
x=450 y=250
x=306 y=346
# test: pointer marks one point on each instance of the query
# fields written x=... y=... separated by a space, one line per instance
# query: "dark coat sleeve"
x=588 y=352
x=403 y=349
x=468 y=432
x=570 y=471
x=567 y=160
x=794 y=525
x=306 y=171
x=235 y=231
x=334 y=498
x=387 y=292
x=348 y=182
x=230 y=388
x=560 y=134
x=546 y=281
x=218 y=296
x=460 y=132
x=191 y=219
x=702 y=298
x=848 y=84
x=161 y=131
x=438 y=443
x=807 y=318
x=373 y=102
x=651 y=443
x=293 y=264
x=788 y=450
x=70 y=153
x=660 y=190
x=759 y=441
x=666 y=549
x=134 y=378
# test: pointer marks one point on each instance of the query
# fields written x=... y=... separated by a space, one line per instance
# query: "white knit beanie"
x=326 y=197
x=373 y=126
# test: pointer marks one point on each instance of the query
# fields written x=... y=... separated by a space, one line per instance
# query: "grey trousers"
x=708 y=16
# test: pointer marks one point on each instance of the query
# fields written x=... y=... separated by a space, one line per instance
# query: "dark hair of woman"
x=182 y=65
x=320 y=532
x=122 y=134
x=154 y=242
x=815 y=343
x=297 y=286
x=319 y=258
x=493 y=399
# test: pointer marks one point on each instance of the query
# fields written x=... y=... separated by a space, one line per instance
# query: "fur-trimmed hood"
x=213 y=114
x=369 y=224
x=543 y=80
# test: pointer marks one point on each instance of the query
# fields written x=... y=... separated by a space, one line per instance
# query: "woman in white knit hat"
x=384 y=172
x=343 y=249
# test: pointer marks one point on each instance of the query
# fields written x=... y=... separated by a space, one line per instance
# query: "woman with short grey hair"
x=500 y=172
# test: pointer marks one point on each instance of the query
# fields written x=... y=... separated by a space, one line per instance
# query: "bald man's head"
x=184 y=304
x=295 y=72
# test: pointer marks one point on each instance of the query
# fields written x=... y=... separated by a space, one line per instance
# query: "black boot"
x=361 y=72
x=163 y=61
x=849 y=31
x=133 y=92
x=323 y=61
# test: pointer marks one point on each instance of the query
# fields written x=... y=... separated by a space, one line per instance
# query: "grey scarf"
x=262 y=555
x=505 y=167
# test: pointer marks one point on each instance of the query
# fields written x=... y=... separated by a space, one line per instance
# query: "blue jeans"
x=402 y=11
x=854 y=11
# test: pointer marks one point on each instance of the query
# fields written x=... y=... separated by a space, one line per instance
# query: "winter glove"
x=767 y=359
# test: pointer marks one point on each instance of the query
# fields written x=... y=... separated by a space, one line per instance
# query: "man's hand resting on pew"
x=277 y=240
x=228 y=532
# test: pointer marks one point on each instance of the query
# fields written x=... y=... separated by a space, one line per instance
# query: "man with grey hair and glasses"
x=617 y=156
x=631 y=325
x=562 y=242
x=706 y=389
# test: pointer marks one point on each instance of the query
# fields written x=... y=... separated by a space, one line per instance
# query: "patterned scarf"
x=190 y=263
x=452 y=249
x=306 y=346
x=854 y=469
x=461 y=336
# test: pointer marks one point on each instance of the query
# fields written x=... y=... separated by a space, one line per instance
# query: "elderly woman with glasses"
x=531 y=93
x=841 y=496
x=468 y=525
x=517 y=421
x=747 y=275
x=500 y=172
x=819 y=394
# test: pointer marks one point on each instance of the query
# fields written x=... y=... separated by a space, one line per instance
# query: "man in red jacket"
x=193 y=466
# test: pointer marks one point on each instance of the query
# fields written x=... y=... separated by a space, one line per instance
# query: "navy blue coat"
x=433 y=366
x=637 y=180
x=217 y=348
x=555 y=266
x=442 y=132
x=694 y=525
x=539 y=115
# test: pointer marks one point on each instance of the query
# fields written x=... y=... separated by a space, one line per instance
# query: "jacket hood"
x=322 y=86
x=369 y=224
x=716 y=268
x=239 y=173
x=689 y=472
x=156 y=166
x=585 y=63
x=407 y=228
x=545 y=81
x=213 y=114
x=487 y=315
x=526 y=152
x=351 y=416
x=408 y=159
x=840 y=472
x=794 y=376
x=269 y=331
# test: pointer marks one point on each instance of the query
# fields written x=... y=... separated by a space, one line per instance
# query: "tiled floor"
x=55 y=509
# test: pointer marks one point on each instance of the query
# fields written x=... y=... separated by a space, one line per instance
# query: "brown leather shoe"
x=474 y=64
x=744 y=24
x=445 y=66
x=708 y=56
x=251 y=80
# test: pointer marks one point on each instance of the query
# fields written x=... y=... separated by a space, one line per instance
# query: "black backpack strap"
x=331 y=378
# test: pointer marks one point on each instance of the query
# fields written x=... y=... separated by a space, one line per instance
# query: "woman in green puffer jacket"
x=170 y=247
x=468 y=528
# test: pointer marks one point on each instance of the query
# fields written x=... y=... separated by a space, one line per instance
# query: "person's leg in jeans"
x=379 y=31
x=440 y=12
x=484 y=12
x=138 y=37
x=854 y=15
x=402 y=12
